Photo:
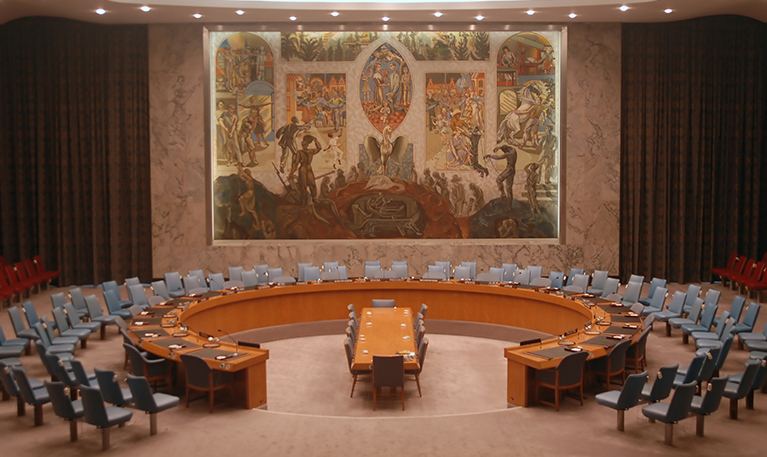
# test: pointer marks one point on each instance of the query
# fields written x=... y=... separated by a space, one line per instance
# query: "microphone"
x=236 y=344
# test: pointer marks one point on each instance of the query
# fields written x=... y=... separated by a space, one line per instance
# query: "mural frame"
x=491 y=114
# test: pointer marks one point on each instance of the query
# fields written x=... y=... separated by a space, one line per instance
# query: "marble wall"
x=590 y=179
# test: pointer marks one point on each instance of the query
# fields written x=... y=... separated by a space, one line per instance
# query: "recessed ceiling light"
x=480 y=17
x=101 y=11
x=145 y=9
x=197 y=15
x=530 y=12
x=437 y=14
x=624 y=8
x=334 y=14
x=240 y=12
x=668 y=11
x=573 y=15
x=385 y=18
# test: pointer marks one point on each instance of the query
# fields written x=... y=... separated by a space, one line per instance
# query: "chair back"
x=110 y=388
x=382 y=303
x=159 y=288
x=692 y=293
x=399 y=270
x=351 y=328
x=78 y=299
x=570 y=368
x=138 y=296
x=424 y=309
x=30 y=313
x=598 y=279
x=571 y=275
x=744 y=386
x=581 y=281
x=81 y=375
x=94 y=408
x=62 y=404
x=190 y=283
x=436 y=271
x=522 y=277
x=200 y=275
x=663 y=384
x=373 y=263
x=679 y=407
x=112 y=300
x=60 y=319
x=707 y=317
x=724 y=351
x=94 y=309
x=142 y=393
x=658 y=299
x=373 y=271
x=617 y=356
x=273 y=273
x=729 y=323
x=198 y=373
x=509 y=270
x=761 y=374
x=714 y=391
x=342 y=273
x=636 y=278
x=709 y=363
x=6 y=378
x=695 y=312
x=300 y=270
x=462 y=272
x=17 y=321
x=349 y=346
x=216 y=281
x=557 y=279
x=261 y=273
x=633 y=290
x=693 y=370
x=330 y=266
x=111 y=285
x=311 y=273
x=631 y=391
x=44 y=338
x=235 y=273
x=134 y=357
x=472 y=267
x=712 y=298
x=58 y=299
x=611 y=287
x=638 y=349
x=752 y=313
x=422 y=347
x=445 y=265
x=249 y=278
x=655 y=283
x=677 y=302
x=388 y=371
x=27 y=393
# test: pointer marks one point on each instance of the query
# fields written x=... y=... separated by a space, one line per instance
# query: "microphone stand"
x=236 y=343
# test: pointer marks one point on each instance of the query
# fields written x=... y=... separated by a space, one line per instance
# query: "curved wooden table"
x=493 y=304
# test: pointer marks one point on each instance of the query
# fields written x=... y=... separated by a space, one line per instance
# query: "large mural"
x=392 y=140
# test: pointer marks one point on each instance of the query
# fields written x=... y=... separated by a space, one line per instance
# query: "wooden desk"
x=385 y=331
x=326 y=301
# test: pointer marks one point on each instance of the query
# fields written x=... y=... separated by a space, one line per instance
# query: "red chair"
x=730 y=267
x=7 y=287
x=743 y=268
x=48 y=275
x=737 y=269
x=13 y=281
x=24 y=278
x=758 y=285
x=754 y=273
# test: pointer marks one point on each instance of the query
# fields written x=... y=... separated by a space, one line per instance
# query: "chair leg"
x=105 y=445
x=72 y=430
x=38 y=415
x=152 y=424
x=750 y=400
x=21 y=407
x=734 y=408
x=84 y=343
x=668 y=329
x=685 y=338
x=621 y=414
x=103 y=331
x=699 y=423
x=375 y=395
x=418 y=383
x=211 y=398
x=669 y=434
x=354 y=383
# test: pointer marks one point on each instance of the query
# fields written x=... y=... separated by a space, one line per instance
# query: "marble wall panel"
x=591 y=175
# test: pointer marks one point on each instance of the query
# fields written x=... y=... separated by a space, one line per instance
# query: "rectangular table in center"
x=385 y=331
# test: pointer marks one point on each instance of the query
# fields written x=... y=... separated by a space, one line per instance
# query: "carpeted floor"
x=462 y=411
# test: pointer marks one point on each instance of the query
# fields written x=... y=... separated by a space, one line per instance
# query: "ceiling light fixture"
x=292 y=18
x=101 y=11
x=573 y=15
x=624 y=8
x=145 y=9
x=240 y=12
x=480 y=17
x=530 y=12
x=668 y=11
x=334 y=14
x=437 y=14
x=385 y=18
x=197 y=15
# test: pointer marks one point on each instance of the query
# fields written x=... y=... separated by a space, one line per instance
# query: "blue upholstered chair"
x=311 y=273
x=571 y=275
x=382 y=303
x=64 y=407
x=200 y=377
x=462 y=272
x=96 y=413
x=32 y=395
x=737 y=390
x=674 y=411
x=509 y=270
x=112 y=285
x=145 y=400
x=703 y=406
x=110 y=389
x=568 y=374
x=624 y=399
x=235 y=273
x=216 y=281
x=655 y=283
x=174 y=284
x=249 y=278
x=300 y=270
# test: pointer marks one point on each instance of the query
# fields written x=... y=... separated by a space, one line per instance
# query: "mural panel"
x=436 y=168
x=446 y=45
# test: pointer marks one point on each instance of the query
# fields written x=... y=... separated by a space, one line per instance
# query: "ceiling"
x=276 y=13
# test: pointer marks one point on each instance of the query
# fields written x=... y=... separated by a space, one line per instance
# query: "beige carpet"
x=463 y=411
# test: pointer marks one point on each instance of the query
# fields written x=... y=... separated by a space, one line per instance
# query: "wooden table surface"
x=385 y=331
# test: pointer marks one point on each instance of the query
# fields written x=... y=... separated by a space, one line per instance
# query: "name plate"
x=343 y=280
x=470 y=282
x=429 y=280
x=374 y=280
x=397 y=279
x=264 y=286
x=302 y=283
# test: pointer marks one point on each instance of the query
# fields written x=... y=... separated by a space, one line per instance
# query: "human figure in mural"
x=546 y=62
x=334 y=146
x=505 y=179
x=478 y=195
x=428 y=180
x=246 y=140
x=441 y=185
x=531 y=129
x=336 y=103
x=380 y=81
x=459 y=196
x=386 y=149
x=508 y=58
x=228 y=122
x=458 y=152
x=476 y=135
x=305 y=173
x=366 y=74
x=248 y=199
x=340 y=180
x=549 y=144
x=287 y=141
x=324 y=187
x=220 y=132
x=353 y=176
x=531 y=185
x=406 y=81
